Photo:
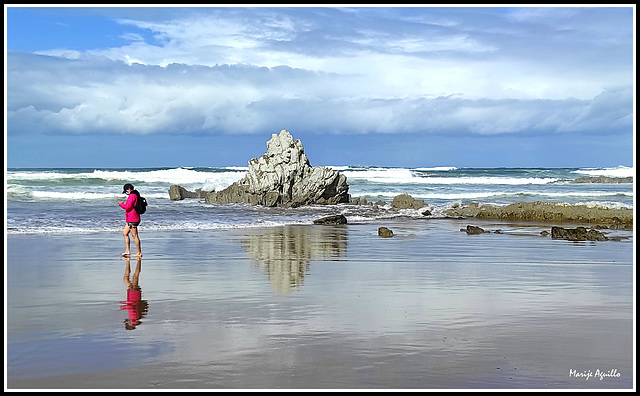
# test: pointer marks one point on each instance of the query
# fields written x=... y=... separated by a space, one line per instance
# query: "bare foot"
x=137 y=255
x=125 y=254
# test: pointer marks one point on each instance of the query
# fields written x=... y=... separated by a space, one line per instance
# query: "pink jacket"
x=129 y=206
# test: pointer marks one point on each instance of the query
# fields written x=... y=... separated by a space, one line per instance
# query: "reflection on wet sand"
x=285 y=252
x=136 y=307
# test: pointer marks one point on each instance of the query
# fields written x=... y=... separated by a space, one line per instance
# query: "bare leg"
x=127 y=241
x=136 y=240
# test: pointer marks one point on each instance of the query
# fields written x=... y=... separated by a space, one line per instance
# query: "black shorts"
x=133 y=224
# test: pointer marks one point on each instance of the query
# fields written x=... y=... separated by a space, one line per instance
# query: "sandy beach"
x=323 y=307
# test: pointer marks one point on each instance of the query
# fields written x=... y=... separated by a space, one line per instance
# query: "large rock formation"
x=284 y=177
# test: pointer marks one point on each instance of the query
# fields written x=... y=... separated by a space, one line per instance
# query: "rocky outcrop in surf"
x=603 y=179
x=406 y=201
x=577 y=234
x=178 y=193
x=385 y=232
x=283 y=177
x=331 y=220
x=613 y=218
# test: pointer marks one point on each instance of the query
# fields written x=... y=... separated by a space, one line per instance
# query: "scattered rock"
x=426 y=213
x=331 y=220
x=384 y=232
x=283 y=177
x=406 y=201
x=360 y=201
x=474 y=230
x=577 y=234
x=544 y=233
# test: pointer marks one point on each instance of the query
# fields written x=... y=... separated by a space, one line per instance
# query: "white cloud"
x=249 y=99
x=241 y=71
x=132 y=37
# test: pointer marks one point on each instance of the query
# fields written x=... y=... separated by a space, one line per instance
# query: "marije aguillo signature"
x=598 y=374
x=136 y=307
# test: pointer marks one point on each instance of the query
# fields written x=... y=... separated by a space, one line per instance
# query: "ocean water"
x=85 y=200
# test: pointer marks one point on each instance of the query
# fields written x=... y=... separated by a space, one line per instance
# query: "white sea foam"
x=44 y=175
x=82 y=195
x=486 y=180
x=181 y=176
x=236 y=168
x=380 y=175
x=618 y=171
x=390 y=195
x=437 y=168
x=188 y=225
x=72 y=195
x=405 y=176
x=493 y=194
x=604 y=204
x=409 y=179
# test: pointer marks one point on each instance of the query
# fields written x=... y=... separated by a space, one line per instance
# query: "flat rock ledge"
x=283 y=177
x=603 y=179
x=620 y=218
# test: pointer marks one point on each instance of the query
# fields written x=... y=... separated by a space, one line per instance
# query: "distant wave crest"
x=407 y=176
x=618 y=171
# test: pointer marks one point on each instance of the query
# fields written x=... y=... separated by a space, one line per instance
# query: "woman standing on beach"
x=132 y=219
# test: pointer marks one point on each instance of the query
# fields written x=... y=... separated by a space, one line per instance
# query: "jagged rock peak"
x=284 y=177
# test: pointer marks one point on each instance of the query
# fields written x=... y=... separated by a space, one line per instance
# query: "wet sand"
x=322 y=307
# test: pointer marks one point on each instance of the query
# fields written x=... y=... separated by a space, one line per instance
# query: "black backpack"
x=141 y=203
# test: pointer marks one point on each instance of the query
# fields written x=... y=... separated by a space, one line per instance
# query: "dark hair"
x=126 y=187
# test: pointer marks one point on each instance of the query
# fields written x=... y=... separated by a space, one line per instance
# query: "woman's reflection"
x=135 y=305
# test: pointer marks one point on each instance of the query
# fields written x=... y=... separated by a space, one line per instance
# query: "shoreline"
x=548 y=213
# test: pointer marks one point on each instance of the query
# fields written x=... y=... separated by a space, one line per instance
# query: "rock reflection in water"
x=286 y=252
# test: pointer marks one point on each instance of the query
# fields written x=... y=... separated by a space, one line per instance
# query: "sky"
x=135 y=87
